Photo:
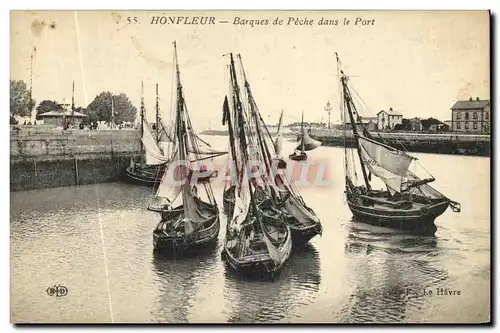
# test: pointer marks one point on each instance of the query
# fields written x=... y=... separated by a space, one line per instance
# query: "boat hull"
x=298 y=157
x=251 y=268
x=149 y=179
x=258 y=265
x=301 y=236
x=410 y=220
x=205 y=238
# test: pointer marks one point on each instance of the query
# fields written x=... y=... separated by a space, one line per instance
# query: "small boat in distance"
x=306 y=144
x=188 y=219
x=409 y=202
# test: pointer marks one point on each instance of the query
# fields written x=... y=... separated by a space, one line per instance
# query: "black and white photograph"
x=257 y=166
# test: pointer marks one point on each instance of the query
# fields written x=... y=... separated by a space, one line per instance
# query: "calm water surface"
x=97 y=241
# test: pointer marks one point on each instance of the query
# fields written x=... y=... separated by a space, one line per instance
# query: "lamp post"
x=328 y=108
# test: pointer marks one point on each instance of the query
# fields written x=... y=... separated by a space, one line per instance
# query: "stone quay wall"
x=46 y=156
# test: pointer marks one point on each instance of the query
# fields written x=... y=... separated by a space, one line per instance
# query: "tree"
x=123 y=108
x=20 y=102
x=47 y=106
x=426 y=123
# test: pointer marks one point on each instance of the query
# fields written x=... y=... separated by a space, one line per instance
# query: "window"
x=487 y=116
x=466 y=125
x=458 y=116
x=475 y=115
x=486 y=127
x=458 y=125
x=474 y=125
x=466 y=115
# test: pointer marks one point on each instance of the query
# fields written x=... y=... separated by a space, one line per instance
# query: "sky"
x=417 y=62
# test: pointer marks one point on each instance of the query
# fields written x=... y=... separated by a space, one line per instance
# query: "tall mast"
x=73 y=104
x=31 y=84
x=349 y=104
x=158 y=114
x=302 y=131
x=256 y=115
x=239 y=109
x=241 y=125
x=142 y=115
x=180 y=124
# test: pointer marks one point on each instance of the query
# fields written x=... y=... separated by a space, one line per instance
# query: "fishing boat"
x=148 y=169
x=257 y=240
x=306 y=144
x=301 y=219
x=187 y=206
x=408 y=202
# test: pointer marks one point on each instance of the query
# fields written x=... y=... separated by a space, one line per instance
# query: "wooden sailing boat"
x=257 y=239
x=153 y=149
x=188 y=220
x=306 y=143
x=409 y=203
x=302 y=221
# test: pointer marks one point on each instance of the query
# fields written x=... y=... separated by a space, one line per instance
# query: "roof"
x=471 y=104
x=365 y=120
x=390 y=112
x=61 y=114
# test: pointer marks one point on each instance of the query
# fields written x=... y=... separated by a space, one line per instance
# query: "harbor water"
x=96 y=241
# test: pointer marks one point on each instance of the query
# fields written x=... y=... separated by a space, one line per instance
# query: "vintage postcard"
x=250 y=167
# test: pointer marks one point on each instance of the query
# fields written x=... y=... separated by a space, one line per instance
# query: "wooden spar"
x=255 y=113
x=142 y=117
x=348 y=103
x=179 y=121
x=419 y=183
x=158 y=112
x=231 y=133
x=239 y=108
x=31 y=83
x=73 y=104
x=243 y=143
x=302 y=132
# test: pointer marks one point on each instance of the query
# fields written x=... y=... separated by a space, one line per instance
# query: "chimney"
x=390 y=109
x=477 y=98
x=470 y=98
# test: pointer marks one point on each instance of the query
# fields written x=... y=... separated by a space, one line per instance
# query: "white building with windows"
x=388 y=119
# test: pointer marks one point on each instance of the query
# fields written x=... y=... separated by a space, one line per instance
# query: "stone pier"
x=44 y=156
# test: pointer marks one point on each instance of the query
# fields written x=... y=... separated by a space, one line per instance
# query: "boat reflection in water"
x=179 y=280
x=391 y=285
x=275 y=301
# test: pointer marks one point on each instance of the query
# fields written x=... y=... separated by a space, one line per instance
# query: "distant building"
x=471 y=116
x=442 y=127
x=370 y=123
x=448 y=123
x=58 y=118
x=388 y=119
x=416 y=125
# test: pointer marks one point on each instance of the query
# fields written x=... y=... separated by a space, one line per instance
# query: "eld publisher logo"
x=57 y=291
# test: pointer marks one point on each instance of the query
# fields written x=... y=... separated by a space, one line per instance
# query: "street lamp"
x=328 y=108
